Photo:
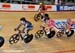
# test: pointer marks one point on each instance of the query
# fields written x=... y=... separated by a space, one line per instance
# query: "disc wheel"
x=70 y=33
x=51 y=34
x=29 y=38
x=2 y=40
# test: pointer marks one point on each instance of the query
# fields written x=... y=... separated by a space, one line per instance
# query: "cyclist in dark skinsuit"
x=27 y=25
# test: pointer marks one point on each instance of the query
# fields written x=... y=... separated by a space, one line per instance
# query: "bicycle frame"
x=20 y=34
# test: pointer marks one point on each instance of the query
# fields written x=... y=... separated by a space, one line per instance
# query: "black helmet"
x=46 y=15
x=23 y=19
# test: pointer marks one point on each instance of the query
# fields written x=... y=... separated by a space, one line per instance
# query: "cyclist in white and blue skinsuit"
x=27 y=25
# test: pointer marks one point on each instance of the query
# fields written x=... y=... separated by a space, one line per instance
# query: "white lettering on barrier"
x=0 y=6
x=30 y=7
x=67 y=7
x=16 y=7
x=24 y=7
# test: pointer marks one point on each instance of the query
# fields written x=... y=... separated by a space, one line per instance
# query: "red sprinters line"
x=64 y=51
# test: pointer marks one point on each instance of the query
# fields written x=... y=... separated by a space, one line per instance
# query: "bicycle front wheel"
x=14 y=38
x=39 y=34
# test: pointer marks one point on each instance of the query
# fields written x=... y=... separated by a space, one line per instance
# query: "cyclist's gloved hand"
x=15 y=29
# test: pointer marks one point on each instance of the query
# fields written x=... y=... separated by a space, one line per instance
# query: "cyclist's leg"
x=68 y=29
x=25 y=31
x=29 y=28
x=47 y=29
x=57 y=30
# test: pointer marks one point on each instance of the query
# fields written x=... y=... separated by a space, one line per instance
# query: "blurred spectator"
x=51 y=2
x=36 y=1
x=56 y=2
x=61 y=2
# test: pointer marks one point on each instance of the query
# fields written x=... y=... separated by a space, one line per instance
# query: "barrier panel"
x=24 y=7
x=65 y=7
x=31 y=7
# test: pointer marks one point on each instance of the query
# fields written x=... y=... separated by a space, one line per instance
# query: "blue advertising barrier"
x=65 y=7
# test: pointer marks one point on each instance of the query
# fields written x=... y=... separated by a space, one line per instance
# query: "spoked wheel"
x=28 y=38
x=70 y=33
x=59 y=34
x=36 y=18
x=14 y=39
x=39 y=34
x=51 y=34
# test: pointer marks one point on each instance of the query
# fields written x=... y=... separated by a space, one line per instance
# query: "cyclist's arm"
x=74 y=22
x=18 y=26
x=39 y=8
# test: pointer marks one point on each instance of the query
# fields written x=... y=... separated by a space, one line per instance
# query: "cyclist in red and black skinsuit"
x=42 y=9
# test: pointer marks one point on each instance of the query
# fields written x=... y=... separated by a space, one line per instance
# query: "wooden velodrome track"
x=9 y=20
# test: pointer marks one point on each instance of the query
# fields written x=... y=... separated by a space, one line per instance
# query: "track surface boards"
x=9 y=20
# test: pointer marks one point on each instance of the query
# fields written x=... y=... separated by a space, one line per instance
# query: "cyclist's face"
x=22 y=22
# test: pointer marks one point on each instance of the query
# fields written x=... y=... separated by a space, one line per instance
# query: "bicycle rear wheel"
x=70 y=33
x=28 y=38
x=14 y=38
x=51 y=34
x=2 y=40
